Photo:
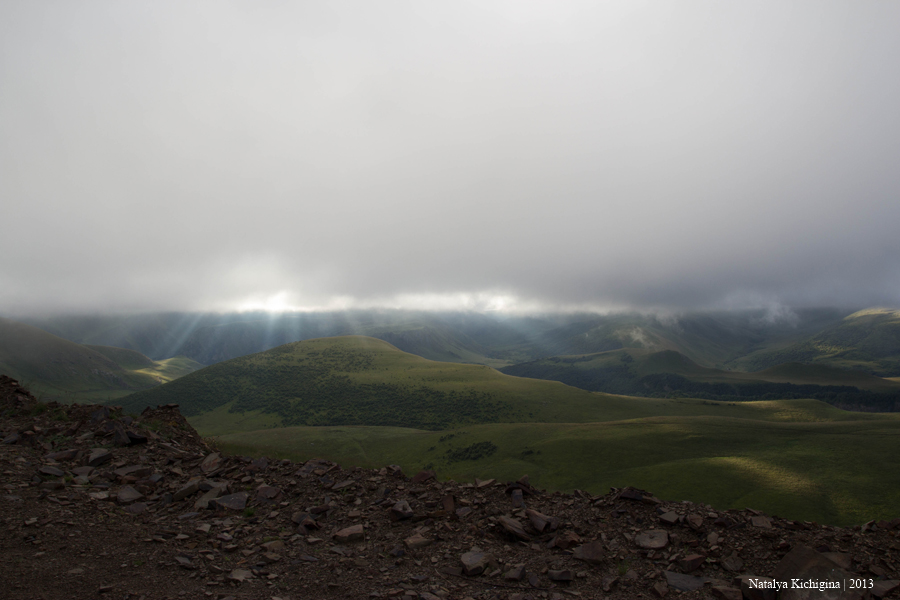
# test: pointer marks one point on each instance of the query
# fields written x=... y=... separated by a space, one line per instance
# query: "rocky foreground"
x=98 y=504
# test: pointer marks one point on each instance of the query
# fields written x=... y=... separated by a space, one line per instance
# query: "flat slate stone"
x=804 y=563
x=189 y=489
x=542 y=522
x=136 y=508
x=63 y=455
x=98 y=457
x=417 y=541
x=882 y=588
x=353 y=533
x=236 y=501
x=210 y=495
x=474 y=563
x=135 y=438
x=761 y=522
x=653 y=539
x=267 y=494
x=685 y=583
x=138 y=471
x=592 y=552
x=513 y=527
x=565 y=540
x=401 y=511
x=724 y=592
x=691 y=562
x=127 y=495
x=517 y=573
x=422 y=476
x=732 y=563
x=669 y=518
x=211 y=462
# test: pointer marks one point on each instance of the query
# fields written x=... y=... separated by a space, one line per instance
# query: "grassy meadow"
x=799 y=459
x=352 y=399
x=840 y=473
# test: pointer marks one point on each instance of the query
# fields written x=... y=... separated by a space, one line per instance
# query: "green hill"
x=126 y=359
x=669 y=373
x=365 y=381
x=61 y=370
x=356 y=380
x=868 y=340
x=364 y=402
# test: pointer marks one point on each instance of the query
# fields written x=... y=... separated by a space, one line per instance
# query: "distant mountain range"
x=865 y=342
x=670 y=374
x=744 y=340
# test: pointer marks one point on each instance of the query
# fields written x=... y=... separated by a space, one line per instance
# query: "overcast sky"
x=221 y=155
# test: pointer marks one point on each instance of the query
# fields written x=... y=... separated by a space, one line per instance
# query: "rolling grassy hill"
x=356 y=380
x=58 y=369
x=798 y=458
x=365 y=381
x=669 y=373
x=867 y=340
x=834 y=472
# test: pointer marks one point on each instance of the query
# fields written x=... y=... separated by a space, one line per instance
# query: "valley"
x=61 y=370
x=652 y=403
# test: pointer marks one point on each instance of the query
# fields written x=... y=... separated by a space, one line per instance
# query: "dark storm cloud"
x=211 y=155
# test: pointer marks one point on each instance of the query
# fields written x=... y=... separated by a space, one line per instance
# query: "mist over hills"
x=716 y=339
x=711 y=355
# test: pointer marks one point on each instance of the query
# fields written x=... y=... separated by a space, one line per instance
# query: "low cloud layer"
x=499 y=155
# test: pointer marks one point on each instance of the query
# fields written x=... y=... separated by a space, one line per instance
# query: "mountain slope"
x=867 y=340
x=669 y=373
x=63 y=370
